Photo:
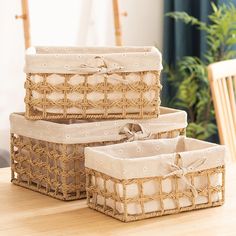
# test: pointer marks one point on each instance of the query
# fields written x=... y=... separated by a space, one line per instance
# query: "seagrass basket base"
x=107 y=195
x=86 y=99
x=48 y=155
x=92 y=82
x=53 y=169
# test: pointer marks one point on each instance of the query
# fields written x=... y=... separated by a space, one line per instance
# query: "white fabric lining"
x=93 y=131
x=150 y=158
x=70 y=59
x=137 y=160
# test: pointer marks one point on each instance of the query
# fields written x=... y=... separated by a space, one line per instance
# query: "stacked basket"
x=137 y=163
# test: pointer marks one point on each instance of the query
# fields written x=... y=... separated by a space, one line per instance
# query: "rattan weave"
x=126 y=106
x=55 y=169
x=95 y=192
x=92 y=82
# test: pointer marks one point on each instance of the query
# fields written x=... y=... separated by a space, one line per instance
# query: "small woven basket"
x=144 y=179
x=48 y=157
x=88 y=83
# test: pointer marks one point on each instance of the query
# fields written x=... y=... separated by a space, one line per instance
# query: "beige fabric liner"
x=152 y=158
x=84 y=60
x=94 y=131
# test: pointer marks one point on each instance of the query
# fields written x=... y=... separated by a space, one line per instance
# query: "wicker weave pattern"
x=39 y=107
x=55 y=169
x=94 y=192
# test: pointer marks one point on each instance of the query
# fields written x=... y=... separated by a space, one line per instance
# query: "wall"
x=144 y=23
x=11 y=74
x=142 y=26
x=71 y=22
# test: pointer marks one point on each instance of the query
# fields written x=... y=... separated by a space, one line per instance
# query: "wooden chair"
x=222 y=77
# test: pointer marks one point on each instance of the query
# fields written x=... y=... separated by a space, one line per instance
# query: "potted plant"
x=189 y=80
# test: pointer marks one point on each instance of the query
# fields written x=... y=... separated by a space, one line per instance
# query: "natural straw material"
x=105 y=83
x=53 y=169
x=48 y=157
x=93 y=192
x=175 y=188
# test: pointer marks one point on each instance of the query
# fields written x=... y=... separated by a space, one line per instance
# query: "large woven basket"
x=143 y=179
x=87 y=83
x=48 y=157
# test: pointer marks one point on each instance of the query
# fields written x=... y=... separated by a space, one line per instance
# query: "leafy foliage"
x=190 y=81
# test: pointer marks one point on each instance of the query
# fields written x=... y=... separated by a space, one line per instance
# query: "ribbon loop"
x=98 y=66
x=134 y=131
x=180 y=171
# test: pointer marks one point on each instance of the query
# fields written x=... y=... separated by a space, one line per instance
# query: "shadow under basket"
x=189 y=184
x=48 y=156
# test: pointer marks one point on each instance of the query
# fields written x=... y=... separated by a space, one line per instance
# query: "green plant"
x=189 y=79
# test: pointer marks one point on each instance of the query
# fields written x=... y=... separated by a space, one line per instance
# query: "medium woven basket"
x=130 y=182
x=88 y=83
x=48 y=157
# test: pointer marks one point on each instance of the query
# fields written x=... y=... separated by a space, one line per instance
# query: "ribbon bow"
x=134 y=132
x=101 y=68
x=181 y=171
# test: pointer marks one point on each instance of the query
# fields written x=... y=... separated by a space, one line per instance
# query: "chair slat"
x=225 y=119
x=219 y=113
x=232 y=99
x=222 y=77
x=229 y=117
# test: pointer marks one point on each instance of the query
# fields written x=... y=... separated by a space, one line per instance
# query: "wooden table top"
x=24 y=212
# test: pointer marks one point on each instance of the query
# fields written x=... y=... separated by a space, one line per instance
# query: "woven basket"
x=48 y=157
x=88 y=83
x=143 y=179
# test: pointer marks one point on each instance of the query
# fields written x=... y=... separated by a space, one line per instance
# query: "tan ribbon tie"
x=134 y=131
x=181 y=171
x=102 y=69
